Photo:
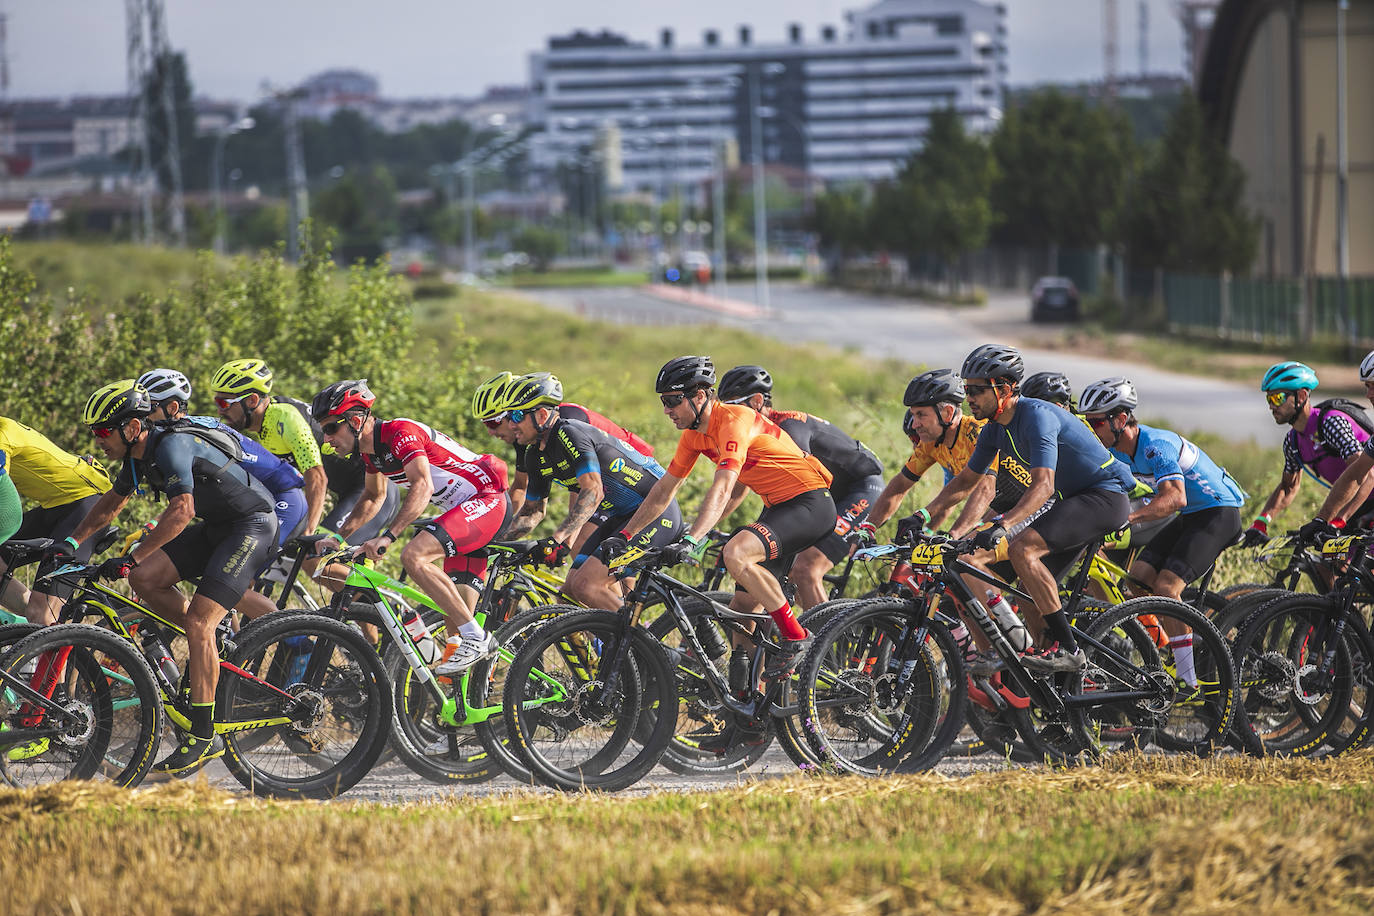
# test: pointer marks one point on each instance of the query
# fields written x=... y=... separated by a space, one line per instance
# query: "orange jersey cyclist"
x=750 y=451
x=857 y=473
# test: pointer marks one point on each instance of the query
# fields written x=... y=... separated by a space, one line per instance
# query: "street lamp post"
x=216 y=166
x=1342 y=178
x=760 y=215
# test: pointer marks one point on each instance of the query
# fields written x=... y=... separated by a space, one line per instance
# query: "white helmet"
x=1367 y=367
x=1107 y=395
x=165 y=384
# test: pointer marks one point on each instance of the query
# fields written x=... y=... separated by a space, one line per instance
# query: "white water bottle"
x=419 y=632
x=1009 y=622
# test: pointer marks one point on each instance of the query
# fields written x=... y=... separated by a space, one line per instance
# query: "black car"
x=1054 y=299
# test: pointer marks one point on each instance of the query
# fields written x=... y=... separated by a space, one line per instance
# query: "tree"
x=1063 y=172
x=938 y=204
x=840 y=220
x=1188 y=212
x=361 y=206
x=539 y=243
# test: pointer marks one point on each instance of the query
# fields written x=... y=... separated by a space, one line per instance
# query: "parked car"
x=1054 y=299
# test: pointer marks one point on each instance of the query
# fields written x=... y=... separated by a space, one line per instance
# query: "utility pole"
x=162 y=54
x=297 y=193
x=140 y=167
x=1342 y=178
x=760 y=202
x=718 y=230
x=1109 y=36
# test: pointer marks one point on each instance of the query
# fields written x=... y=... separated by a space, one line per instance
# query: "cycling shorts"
x=224 y=555
x=661 y=532
x=1191 y=543
x=1074 y=521
x=852 y=506
x=343 y=509
x=465 y=529
x=58 y=522
x=789 y=527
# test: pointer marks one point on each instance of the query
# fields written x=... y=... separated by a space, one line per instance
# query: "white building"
x=841 y=107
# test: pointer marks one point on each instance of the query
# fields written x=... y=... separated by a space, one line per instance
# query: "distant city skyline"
x=430 y=48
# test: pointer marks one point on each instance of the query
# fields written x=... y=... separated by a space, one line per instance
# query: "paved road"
x=942 y=336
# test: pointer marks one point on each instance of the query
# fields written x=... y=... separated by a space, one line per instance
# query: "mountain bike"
x=290 y=729
x=591 y=700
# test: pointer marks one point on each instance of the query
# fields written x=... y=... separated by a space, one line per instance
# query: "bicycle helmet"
x=115 y=403
x=165 y=385
x=241 y=376
x=1367 y=367
x=1108 y=395
x=1048 y=386
x=487 y=399
x=938 y=386
x=686 y=373
x=909 y=426
x=1291 y=376
x=742 y=381
x=536 y=389
x=341 y=397
x=994 y=361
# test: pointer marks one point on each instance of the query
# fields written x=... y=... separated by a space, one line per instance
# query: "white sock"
x=1182 y=647
x=471 y=630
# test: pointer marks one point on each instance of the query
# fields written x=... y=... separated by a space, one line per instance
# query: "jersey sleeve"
x=579 y=448
x=986 y=448
x=291 y=435
x=408 y=440
x=175 y=460
x=1338 y=436
x=536 y=487
x=1162 y=457
x=124 y=482
x=922 y=457
x=1292 y=461
x=732 y=441
x=685 y=458
x=1041 y=448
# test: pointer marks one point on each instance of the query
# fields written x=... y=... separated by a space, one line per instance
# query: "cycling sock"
x=788 y=627
x=471 y=630
x=1182 y=647
x=1058 y=625
x=203 y=719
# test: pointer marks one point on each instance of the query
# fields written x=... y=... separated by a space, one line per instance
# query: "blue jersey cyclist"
x=1064 y=460
x=608 y=479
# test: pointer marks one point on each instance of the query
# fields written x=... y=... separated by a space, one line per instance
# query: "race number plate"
x=928 y=555
x=1337 y=546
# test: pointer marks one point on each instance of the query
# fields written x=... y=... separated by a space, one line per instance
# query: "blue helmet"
x=1289 y=376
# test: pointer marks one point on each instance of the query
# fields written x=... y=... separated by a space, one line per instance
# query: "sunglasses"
x=496 y=421
x=1098 y=422
x=103 y=432
x=332 y=426
x=672 y=400
x=739 y=400
x=1275 y=398
x=224 y=403
x=977 y=389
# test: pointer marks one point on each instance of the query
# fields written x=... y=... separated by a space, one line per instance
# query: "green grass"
x=1139 y=835
x=576 y=278
x=103 y=272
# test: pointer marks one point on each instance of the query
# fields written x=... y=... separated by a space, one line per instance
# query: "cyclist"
x=607 y=478
x=1064 y=460
x=1346 y=492
x=469 y=489
x=1050 y=386
x=284 y=426
x=64 y=488
x=856 y=473
x=199 y=470
x=1322 y=443
x=486 y=406
x=750 y=451
x=944 y=435
x=1185 y=480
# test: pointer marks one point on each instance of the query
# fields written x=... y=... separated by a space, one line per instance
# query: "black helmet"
x=1048 y=386
x=742 y=381
x=341 y=397
x=938 y=386
x=909 y=425
x=686 y=373
x=994 y=361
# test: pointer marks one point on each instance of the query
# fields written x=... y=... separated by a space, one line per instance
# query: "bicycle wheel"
x=868 y=709
x=328 y=723
x=1353 y=732
x=105 y=714
x=574 y=698
x=1290 y=703
x=1129 y=651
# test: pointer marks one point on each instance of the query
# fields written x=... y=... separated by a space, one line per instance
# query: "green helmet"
x=241 y=376
x=537 y=389
x=490 y=395
x=115 y=403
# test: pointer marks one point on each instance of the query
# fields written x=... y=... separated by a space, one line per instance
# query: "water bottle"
x=1009 y=622
x=424 y=643
x=960 y=634
x=160 y=657
x=712 y=640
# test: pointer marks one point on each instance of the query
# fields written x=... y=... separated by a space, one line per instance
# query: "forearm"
x=100 y=515
x=412 y=507
x=887 y=502
x=315 y=488
x=658 y=499
x=1279 y=500
x=711 y=510
x=959 y=487
x=526 y=520
x=364 y=510
x=1034 y=497
x=972 y=514
x=1162 y=505
x=584 y=506
x=170 y=523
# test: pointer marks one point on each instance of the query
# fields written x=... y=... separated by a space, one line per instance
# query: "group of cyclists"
x=1038 y=477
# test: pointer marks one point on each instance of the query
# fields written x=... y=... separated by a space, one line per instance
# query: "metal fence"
x=1269 y=311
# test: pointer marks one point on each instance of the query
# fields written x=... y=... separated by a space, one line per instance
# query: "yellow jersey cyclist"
x=200 y=472
x=748 y=450
x=244 y=397
x=1065 y=460
x=857 y=474
x=63 y=487
x=607 y=478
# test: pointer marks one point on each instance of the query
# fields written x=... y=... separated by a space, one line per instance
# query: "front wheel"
x=590 y=702
x=326 y=720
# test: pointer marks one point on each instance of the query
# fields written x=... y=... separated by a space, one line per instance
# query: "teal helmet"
x=1289 y=376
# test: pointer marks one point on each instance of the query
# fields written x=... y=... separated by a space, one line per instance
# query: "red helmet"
x=342 y=397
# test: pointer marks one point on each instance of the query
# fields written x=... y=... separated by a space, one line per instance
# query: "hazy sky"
x=458 y=47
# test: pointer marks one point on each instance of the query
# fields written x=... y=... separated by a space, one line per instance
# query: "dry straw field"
x=1144 y=835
